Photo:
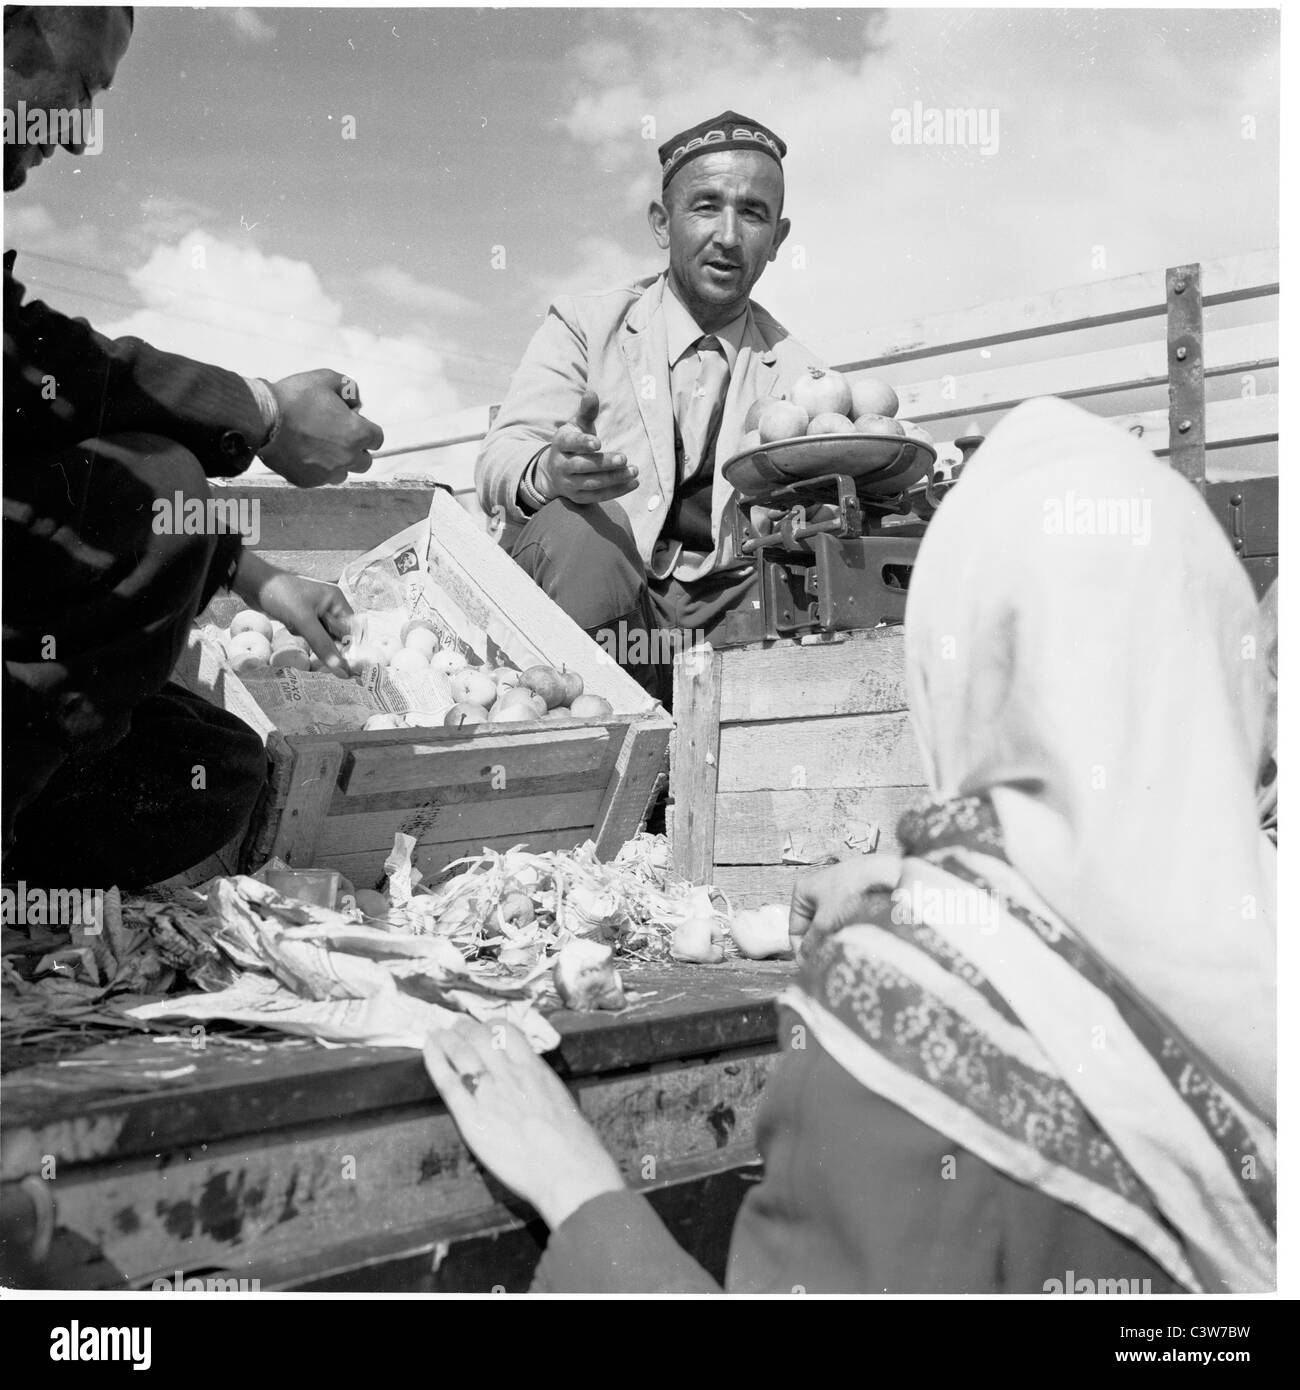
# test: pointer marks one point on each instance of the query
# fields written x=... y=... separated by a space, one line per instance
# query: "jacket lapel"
x=644 y=340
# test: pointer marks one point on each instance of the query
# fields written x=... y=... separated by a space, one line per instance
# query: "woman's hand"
x=836 y=896
x=519 y=1118
x=309 y=608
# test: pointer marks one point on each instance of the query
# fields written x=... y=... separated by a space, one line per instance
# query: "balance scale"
x=823 y=521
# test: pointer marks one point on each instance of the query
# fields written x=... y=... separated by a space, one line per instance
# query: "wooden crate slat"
x=697 y=697
x=454 y=819
x=754 y=827
x=290 y=1191
x=366 y=867
x=414 y=763
x=865 y=750
x=355 y=516
x=862 y=675
x=754 y=885
x=556 y=784
x=1249 y=276
x=1246 y=348
x=311 y=564
x=627 y=795
x=312 y=780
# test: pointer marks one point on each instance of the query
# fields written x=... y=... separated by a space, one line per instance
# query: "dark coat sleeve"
x=65 y=383
x=615 y=1243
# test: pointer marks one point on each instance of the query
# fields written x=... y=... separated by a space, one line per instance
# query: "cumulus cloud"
x=232 y=304
x=246 y=23
x=400 y=287
x=33 y=229
x=601 y=263
x=1091 y=153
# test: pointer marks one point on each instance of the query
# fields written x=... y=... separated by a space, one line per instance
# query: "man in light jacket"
x=641 y=394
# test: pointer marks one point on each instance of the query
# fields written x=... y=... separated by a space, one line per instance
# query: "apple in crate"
x=591 y=707
x=250 y=620
x=249 y=652
x=517 y=712
x=290 y=658
x=473 y=687
x=409 y=660
x=506 y=677
x=545 y=682
x=465 y=712
x=382 y=721
x=447 y=661
x=421 y=639
x=519 y=696
x=572 y=686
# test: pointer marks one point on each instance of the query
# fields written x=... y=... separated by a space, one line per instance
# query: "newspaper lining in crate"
x=396 y=578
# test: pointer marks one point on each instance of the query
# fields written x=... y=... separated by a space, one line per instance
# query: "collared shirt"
x=684 y=333
x=688 y=522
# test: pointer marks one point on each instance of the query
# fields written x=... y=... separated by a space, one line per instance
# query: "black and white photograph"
x=641 y=661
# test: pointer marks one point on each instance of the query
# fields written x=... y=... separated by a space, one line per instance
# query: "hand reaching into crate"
x=311 y=609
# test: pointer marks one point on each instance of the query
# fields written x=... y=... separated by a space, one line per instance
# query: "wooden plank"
x=366 y=867
x=1245 y=349
x=697 y=699
x=756 y=827
x=628 y=792
x=1249 y=276
x=495 y=594
x=132 y=1098
x=863 y=750
x=355 y=516
x=862 y=675
x=312 y=780
x=753 y=885
x=697 y=1199
x=326 y=565
x=1228 y=424
x=555 y=784
x=436 y=819
x=393 y=761
x=266 y=1198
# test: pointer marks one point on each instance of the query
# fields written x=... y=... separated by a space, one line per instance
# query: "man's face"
x=57 y=59
x=720 y=223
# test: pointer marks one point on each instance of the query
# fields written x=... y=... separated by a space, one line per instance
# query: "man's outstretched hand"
x=574 y=466
x=322 y=436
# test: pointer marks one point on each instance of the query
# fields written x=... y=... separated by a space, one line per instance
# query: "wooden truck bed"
x=302 y=1166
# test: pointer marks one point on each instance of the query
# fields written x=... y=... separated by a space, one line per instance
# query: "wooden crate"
x=788 y=750
x=337 y=799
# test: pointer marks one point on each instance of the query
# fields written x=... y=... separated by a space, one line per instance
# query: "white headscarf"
x=1084 y=648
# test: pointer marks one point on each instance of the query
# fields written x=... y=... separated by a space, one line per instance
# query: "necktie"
x=699 y=408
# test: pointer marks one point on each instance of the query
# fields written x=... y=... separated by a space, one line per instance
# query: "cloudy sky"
x=501 y=156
